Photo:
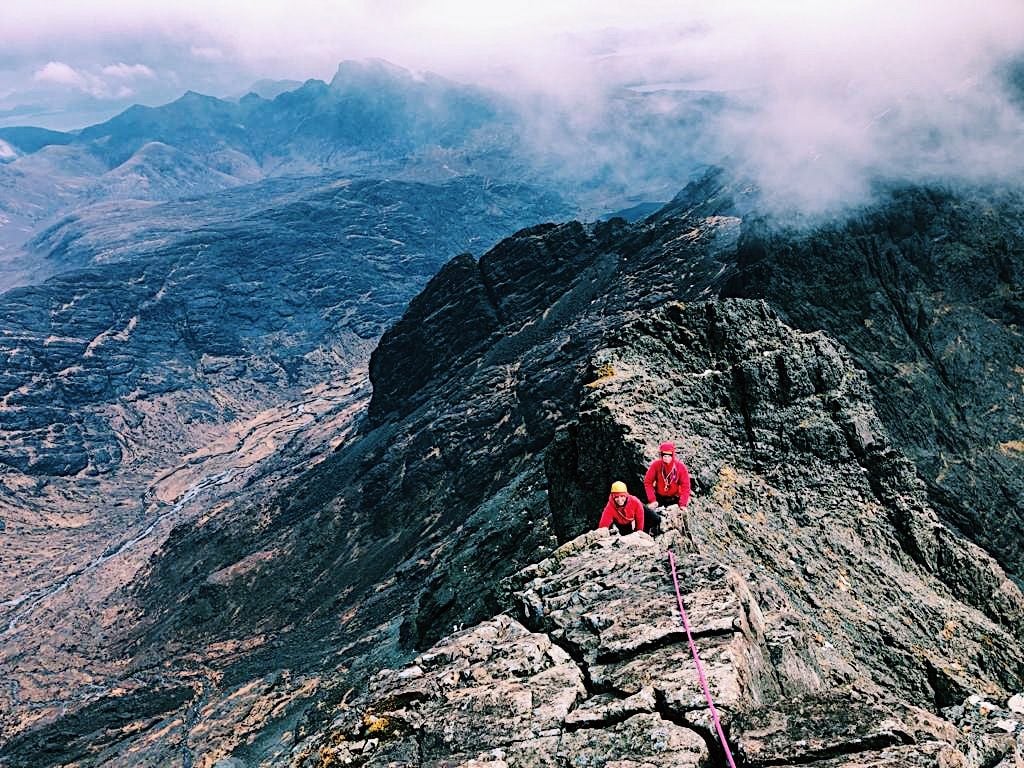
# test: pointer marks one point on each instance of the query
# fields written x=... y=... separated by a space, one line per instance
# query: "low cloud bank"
x=813 y=101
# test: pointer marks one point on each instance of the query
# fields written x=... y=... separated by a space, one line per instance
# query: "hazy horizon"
x=822 y=99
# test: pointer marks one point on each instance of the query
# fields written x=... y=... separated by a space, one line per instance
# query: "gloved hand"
x=651 y=505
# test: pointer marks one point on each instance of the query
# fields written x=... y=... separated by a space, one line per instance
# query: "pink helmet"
x=667 y=448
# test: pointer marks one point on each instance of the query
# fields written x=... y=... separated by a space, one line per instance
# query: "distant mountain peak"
x=191 y=96
x=366 y=71
x=270 y=89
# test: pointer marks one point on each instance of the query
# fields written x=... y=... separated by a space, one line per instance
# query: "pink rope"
x=696 y=660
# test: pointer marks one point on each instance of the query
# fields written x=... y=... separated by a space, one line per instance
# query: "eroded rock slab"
x=608 y=678
x=503 y=690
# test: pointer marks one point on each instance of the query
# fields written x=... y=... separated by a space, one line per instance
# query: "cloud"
x=833 y=99
x=59 y=73
x=124 y=71
x=207 y=53
x=108 y=84
x=822 y=98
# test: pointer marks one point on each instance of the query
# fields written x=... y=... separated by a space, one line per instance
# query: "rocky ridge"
x=476 y=458
x=606 y=677
x=832 y=620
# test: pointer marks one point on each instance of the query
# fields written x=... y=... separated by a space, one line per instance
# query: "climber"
x=623 y=511
x=667 y=482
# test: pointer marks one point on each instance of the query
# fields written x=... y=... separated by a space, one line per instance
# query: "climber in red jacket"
x=623 y=511
x=667 y=482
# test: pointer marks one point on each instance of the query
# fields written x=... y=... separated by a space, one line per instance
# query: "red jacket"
x=673 y=482
x=632 y=510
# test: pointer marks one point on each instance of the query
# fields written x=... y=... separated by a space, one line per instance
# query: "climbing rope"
x=696 y=660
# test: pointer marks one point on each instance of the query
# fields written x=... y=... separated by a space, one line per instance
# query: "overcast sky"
x=118 y=44
x=821 y=83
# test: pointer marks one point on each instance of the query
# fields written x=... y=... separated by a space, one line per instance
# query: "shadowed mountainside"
x=143 y=385
x=927 y=295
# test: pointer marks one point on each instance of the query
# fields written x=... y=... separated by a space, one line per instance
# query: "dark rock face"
x=926 y=293
x=472 y=303
x=828 y=629
x=405 y=360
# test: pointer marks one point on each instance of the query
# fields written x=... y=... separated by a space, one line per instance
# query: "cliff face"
x=926 y=294
x=509 y=396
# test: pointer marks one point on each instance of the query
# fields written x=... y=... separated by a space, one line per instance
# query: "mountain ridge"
x=809 y=659
x=373 y=121
x=479 y=458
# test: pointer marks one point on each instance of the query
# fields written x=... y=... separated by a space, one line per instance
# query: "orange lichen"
x=604 y=372
x=725 y=489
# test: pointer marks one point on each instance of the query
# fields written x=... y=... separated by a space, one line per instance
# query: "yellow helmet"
x=619 y=487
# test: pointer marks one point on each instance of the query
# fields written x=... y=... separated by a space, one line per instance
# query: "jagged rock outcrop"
x=831 y=627
x=810 y=491
x=606 y=677
x=475 y=304
x=927 y=295
x=500 y=694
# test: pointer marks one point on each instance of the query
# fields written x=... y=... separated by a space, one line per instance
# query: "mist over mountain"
x=311 y=394
x=373 y=119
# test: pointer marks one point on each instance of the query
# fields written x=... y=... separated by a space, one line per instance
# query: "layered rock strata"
x=607 y=678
